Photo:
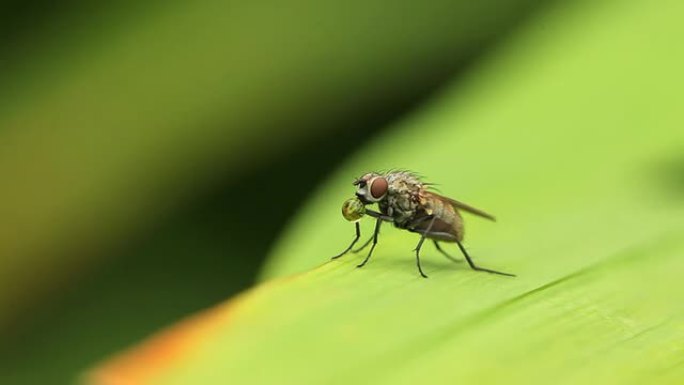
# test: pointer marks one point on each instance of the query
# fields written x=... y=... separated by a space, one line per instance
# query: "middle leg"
x=380 y=217
x=378 y=222
x=420 y=244
x=439 y=248
x=365 y=244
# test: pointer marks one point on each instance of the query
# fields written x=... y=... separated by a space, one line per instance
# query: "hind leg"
x=444 y=253
x=475 y=267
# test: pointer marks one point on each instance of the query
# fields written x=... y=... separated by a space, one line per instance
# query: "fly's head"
x=371 y=188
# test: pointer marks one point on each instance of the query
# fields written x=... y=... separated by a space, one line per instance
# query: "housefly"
x=404 y=200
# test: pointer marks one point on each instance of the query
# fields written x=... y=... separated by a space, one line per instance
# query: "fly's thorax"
x=387 y=207
x=401 y=207
x=399 y=180
x=402 y=202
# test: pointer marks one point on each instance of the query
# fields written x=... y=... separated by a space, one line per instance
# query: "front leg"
x=358 y=235
x=376 y=215
x=378 y=222
x=380 y=216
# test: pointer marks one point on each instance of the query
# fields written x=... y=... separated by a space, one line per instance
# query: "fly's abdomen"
x=448 y=223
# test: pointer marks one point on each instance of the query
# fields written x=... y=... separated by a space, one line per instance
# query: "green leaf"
x=569 y=134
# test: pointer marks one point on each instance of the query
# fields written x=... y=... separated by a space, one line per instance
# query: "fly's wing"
x=459 y=205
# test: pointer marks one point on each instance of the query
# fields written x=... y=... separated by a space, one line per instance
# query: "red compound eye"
x=378 y=187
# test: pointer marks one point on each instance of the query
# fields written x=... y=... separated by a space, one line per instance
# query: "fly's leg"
x=378 y=222
x=358 y=235
x=439 y=248
x=474 y=267
x=378 y=216
x=365 y=244
x=420 y=244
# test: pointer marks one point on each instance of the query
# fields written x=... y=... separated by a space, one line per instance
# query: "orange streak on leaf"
x=142 y=363
x=160 y=353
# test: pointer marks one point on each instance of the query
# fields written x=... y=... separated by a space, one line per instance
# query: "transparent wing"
x=460 y=205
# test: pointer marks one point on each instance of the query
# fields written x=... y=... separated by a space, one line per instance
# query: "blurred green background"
x=151 y=154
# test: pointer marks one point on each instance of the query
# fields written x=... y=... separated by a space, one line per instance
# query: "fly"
x=404 y=200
